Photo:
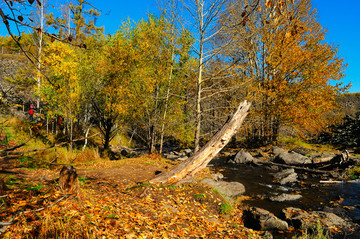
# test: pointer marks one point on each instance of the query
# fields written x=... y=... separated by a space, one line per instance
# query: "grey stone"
x=260 y=219
x=171 y=156
x=242 y=157
x=182 y=158
x=217 y=176
x=286 y=176
x=292 y=178
x=277 y=150
x=292 y=158
x=181 y=154
x=284 y=173
x=285 y=197
x=188 y=152
x=231 y=189
x=302 y=151
x=305 y=220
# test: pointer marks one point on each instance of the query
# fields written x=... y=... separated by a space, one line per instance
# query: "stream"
x=259 y=185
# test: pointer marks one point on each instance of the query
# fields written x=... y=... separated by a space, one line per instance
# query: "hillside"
x=10 y=92
x=350 y=102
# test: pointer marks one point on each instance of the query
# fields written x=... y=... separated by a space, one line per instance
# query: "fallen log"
x=200 y=159
x=330 y=181
x=16 y=147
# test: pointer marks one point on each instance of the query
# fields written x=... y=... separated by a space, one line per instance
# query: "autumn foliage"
x=285 y=68
x=151 y=83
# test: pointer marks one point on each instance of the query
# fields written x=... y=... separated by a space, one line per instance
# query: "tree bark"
x=201 y=158
x=200 y=12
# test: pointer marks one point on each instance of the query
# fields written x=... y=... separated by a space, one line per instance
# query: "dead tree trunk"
x=201 y=158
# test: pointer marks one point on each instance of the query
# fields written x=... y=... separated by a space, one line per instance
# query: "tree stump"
x=68 y=180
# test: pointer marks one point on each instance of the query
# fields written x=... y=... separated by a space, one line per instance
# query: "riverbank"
x=276 y=187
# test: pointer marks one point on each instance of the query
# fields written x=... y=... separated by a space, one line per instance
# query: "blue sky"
x=340 y=17
x=342 y=20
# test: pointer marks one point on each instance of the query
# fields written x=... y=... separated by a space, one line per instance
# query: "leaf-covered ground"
x=113 y=203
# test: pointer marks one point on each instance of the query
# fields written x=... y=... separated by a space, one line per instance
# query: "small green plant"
x=225 y=208
x=216 y=191
x=35 y=188
x=235 y=225
x=199 y=197
x=140 y=185
x=2 y=202
x=83 y=180
x=113 y=216
x=12 y=180
x=354 y=172
x=316 y=231
x=172 y=186
x=23 y=162
x=5 y=139
x=27 y=163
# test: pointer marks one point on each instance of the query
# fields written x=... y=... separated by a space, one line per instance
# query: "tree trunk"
x=107 y=136
x=86 y=137
x=200 y=12
x=38 y=80
x=201 y=158
x=152 y=148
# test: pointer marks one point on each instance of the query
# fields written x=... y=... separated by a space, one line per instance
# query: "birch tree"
x=201 y=17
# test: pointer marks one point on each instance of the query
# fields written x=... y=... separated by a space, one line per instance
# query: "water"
x=259 y=185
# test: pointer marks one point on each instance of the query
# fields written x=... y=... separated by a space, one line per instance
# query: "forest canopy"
x=175 y=78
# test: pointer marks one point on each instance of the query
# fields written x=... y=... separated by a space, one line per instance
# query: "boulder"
x=242 y=157
x=276 y=151
x=188 y=152
x=303 y=151
x=292 y=178
x=231 y=189
x=292 y=158
x=286 y=176
x=305 y=220
x=284 y=173
x=171 y=156
x=182 y=158
x=324 y=158
x=285 y=197
x=260 y=219
x=217 y=176
x=180 y=154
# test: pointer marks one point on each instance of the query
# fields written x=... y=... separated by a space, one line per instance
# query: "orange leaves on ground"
x=103 y=209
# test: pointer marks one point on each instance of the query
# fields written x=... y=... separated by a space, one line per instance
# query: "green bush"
x=225 y=208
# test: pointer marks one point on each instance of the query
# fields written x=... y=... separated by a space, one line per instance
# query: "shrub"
x=226 y=208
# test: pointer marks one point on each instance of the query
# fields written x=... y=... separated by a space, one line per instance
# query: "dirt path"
x=126 y=174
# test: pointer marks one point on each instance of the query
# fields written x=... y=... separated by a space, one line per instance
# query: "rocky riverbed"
x=290 y=190
x=297 y=189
